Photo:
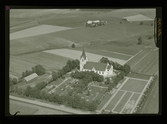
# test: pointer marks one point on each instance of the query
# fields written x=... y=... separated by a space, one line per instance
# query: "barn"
x=138 y=18
x=30 y=77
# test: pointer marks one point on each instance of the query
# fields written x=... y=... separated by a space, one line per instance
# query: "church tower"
x=83 y=60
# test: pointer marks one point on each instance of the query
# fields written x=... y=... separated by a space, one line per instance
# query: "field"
x=76 y=55
x=49 y=44
x=25 y=62
x=126 y=97
x=146 y=62
x=152 y=104
x=30 y=109
x=37 y=30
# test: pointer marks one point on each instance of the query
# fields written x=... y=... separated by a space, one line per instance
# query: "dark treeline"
x=70 y=65
x=38 y=69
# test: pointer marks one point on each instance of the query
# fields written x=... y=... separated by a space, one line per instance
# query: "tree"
x=92 y=106
x=107 y=81
x=23 y=74
x=39 y=70
x=73 y=45
x=104 y=60
x=54 y=75
x=20 y=91
x=126 y=69
x=40 y=85
x=27 y=91
x=14 y=80
x=141 y=23
x=139 y=41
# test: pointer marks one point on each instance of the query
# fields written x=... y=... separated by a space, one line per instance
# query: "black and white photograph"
x=73 y=61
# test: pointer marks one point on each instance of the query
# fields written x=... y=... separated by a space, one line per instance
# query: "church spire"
x=83 y=54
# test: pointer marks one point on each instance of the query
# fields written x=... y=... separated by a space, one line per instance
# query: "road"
x=51 y=106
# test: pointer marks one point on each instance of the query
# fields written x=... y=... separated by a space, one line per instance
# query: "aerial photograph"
x=83 y=61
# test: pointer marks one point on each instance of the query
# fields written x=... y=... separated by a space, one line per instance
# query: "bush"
x=139 y=41
x=73 y=45
x=141 y=23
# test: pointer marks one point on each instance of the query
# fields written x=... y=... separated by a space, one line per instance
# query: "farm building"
x=30 y=77
x=137 y=18
x=103 y=69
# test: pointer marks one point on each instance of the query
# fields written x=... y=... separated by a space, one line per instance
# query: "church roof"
x=97 y=66
x=83 y=54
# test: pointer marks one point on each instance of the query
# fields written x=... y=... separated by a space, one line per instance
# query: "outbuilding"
x=30 y=77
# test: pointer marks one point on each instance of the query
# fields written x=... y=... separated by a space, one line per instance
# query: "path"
x=113 y=96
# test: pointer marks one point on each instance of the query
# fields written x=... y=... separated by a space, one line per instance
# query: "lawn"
x=134 y=85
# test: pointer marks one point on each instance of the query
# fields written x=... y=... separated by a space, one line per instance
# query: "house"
x=104 y=69
x=30 y=77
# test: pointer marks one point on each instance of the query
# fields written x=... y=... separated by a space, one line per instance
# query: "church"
x=104 y=69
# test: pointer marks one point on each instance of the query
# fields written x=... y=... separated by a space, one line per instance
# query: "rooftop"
x=138 y=17
x=97 y=66
x=30 y=77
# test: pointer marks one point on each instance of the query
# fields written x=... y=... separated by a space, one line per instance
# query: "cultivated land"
x=76 y=55
x=27 y=61
x=146 y=62
x=126 y=95
x=38 y=30
x=115 y=40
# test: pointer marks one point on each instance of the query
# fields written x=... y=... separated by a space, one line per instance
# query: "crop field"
x=126 y=97
x=49 y=61
x=37 y=30
x=146 y=62
x=18 y=66
x=73 y=54
x=37 y=43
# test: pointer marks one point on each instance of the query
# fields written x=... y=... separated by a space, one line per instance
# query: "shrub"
x=73 y=45
x=141 y=23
